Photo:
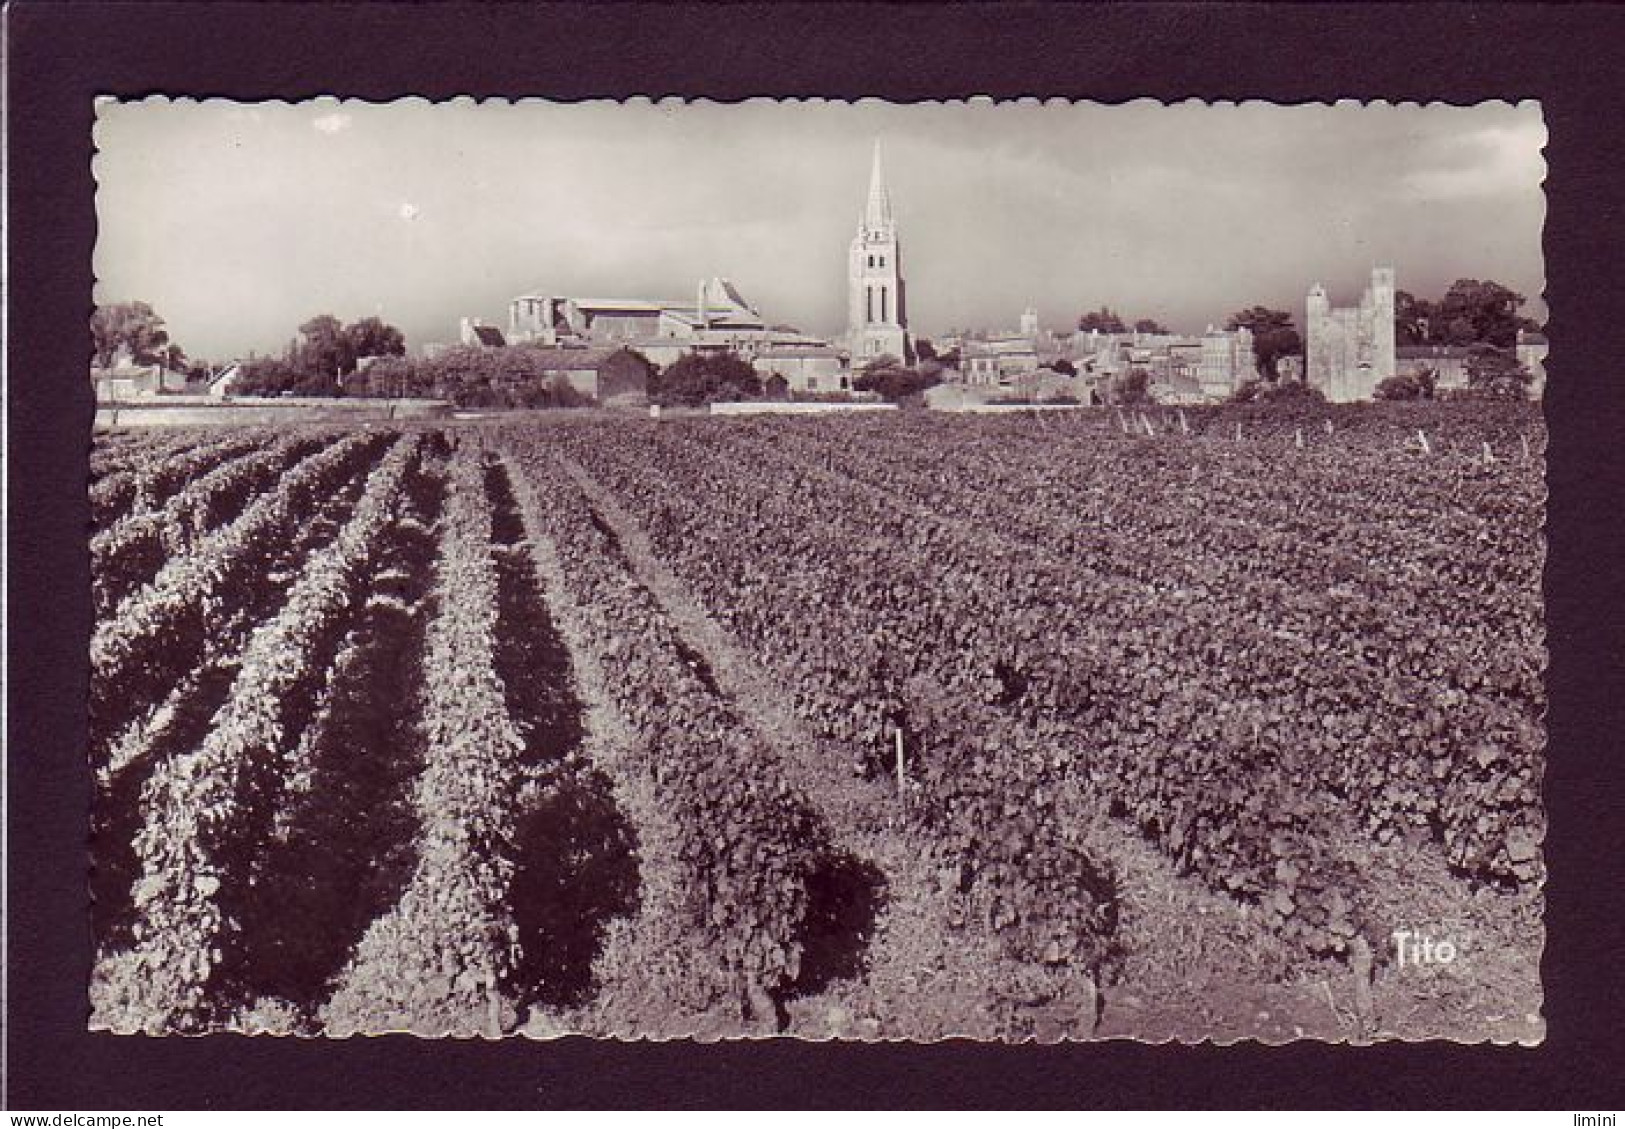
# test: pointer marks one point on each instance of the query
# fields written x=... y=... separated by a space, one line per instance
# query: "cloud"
x=1495 y=161
x=332 y=123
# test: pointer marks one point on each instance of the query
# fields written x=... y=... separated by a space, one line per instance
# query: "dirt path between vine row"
x=925 y=977
x=643 y=964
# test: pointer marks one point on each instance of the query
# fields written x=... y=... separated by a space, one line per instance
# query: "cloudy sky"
x=237 y=222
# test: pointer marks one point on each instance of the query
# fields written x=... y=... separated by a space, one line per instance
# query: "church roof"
x=575 y=360
x=877 y=214
x=621 y=305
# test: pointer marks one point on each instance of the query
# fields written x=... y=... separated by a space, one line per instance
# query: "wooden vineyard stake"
x=1238 y=431
x=1184 y=424
x=1328 y=427
x=1150 y=430
x=1360 y=970
x=1525 y=440
x=1299 y=434
x=1489 y=455
x=902 y=777
x=1427 y=448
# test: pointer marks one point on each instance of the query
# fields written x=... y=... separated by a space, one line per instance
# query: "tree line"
x=323 y=359
x=133 y=329
x=316 y=363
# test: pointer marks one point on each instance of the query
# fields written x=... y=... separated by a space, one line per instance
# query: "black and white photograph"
x=1008 y=570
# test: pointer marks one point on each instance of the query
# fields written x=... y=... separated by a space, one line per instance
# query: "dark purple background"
x=63 y=54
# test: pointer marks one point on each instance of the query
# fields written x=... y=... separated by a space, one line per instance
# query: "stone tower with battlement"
x=1349 y=350
x=877 y=319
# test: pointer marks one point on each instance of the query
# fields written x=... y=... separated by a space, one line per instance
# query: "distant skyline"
x=239 y=221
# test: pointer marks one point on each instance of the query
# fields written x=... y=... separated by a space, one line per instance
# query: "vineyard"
x=1052 y=725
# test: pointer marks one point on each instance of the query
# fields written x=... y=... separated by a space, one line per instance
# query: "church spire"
x=878 y=215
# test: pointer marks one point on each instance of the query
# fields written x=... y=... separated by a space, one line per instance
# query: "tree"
x=324 y=348
x=371 y=337
x=1102 y=320
x=702 y=378
x=1246 y=392
x=1474 y=312
x=1274 y=336
x=1287 y=391
x=1413 y=318
x=132 y=326
x=1149 y=325
x=924 y=350
x=1065 y=367
x=894 y=382
x=265 y=376
x=1403 y=386
x=173 y=358
x=1290 y=390
x=1133 y=387
x=1496 y=374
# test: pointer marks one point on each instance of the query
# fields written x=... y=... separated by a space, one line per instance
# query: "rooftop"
x=576 y=358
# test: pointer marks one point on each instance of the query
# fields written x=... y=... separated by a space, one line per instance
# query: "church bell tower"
x=876 y=319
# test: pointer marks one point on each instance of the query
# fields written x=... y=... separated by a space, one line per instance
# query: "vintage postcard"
x=663 y=569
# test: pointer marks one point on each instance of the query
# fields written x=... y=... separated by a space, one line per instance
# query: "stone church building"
x=877 y=320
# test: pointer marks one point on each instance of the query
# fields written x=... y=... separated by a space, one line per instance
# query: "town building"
x=222 y=383
x=124 y=379
x=477 y=334
x=1447 y=363
x=606 y=374
x=877 y=319
x=1532 y=349
x=1227 y=361
x=996 y=361
x=804 y=368
x=718 y=319
x=1179 y=367
x=1350 y=349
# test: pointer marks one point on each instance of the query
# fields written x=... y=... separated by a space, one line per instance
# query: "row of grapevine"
x=130 y=552
x=160 y=630
x=1040 y=884
x=750 y=844
x=1421 y=597
x=119 y=452
x=202 y=805
x=442 y=961
x=1133 y=689
x=149 y=482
